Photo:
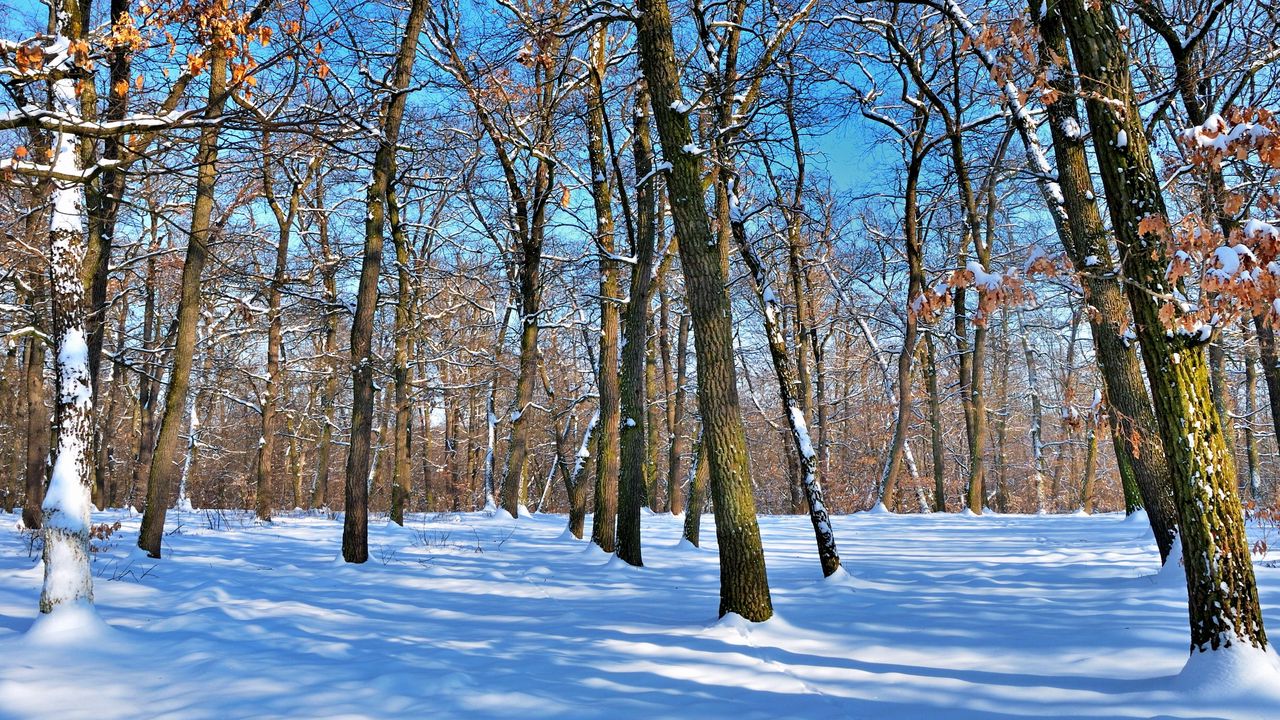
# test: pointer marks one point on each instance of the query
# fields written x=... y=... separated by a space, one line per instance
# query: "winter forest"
x=639 y=358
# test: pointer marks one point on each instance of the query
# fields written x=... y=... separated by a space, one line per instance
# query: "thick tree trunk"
x=103 y=200
x=65 y=508
x=514 y=485
x=355 y=527
x=1222 y=595
x=744 y=584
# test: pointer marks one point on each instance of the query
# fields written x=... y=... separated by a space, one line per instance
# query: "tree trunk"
x=402 y=441
x=332 y=380
x=160 y=479
x=1036 y=431
x=102 y=204
x=574 y=487
x=610 y=486
x=699 y=471
x=263 y=479
x=828 y=555
x=514 y=488
x=652 y=433
x=675 y=451
x=1222 y=595
x=744 y=585
x=1135 y=435
x=37 y=432
x=634 y=392
x=355 y=527
x=65 y=508
x=104 y=458
x=1250 y=409
x=935 y=426
x=915 y=288
x=1090 y=463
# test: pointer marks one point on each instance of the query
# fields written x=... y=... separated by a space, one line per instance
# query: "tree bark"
x=699 y=471
x=65 y=507
x=37 y=432
x=332 y=380
x=935 y=426
x=402 y=440
x=355 y=527
x=1134 y=431
x=744 y=585
x=1251 y=408
x=632 y=478
x=675 y=451
x=610 y=486
x=1222 y=595
x=160 y=479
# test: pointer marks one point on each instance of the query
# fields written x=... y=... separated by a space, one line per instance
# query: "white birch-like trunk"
x=67 y=578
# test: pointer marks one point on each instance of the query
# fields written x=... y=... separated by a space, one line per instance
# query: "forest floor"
x=939 y=616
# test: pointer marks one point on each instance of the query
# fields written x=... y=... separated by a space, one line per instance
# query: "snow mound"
x=1138 y=516
x=880 y=509
x=592 y=550
x=731 y=624
x=568 y=536
x=1246 y=674
x=76 y=624
x=685 y=546
x=840 y=578
x=1173 y=573
x=618 y=564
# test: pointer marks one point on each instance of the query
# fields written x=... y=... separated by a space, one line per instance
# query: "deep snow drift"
x=941 y=616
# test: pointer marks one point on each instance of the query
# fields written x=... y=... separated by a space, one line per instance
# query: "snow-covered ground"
x=470 y=616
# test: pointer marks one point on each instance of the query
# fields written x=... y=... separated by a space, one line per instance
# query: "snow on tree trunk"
x=1223 y=606
x=67 y=579
x=828 y=555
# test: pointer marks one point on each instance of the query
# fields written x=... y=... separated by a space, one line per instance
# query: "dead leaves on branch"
x=1231 y=264
x=994 y=290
